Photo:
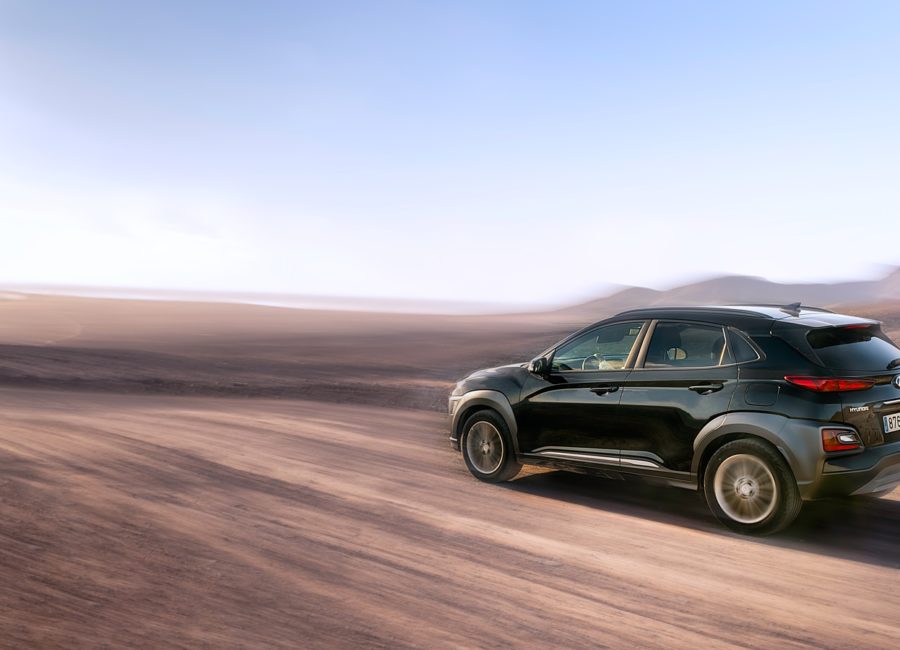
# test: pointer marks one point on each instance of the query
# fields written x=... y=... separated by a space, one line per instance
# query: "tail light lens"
x=840 y=440
x=830 y=384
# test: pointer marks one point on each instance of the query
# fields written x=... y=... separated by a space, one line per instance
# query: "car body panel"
x=662 y=411
x=865 y=410
x=875 y=470
x=570 y=409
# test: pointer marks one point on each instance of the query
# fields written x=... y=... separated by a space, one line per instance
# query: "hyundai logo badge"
x=897 y=381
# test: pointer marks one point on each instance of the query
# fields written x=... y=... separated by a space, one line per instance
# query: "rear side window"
x=853 y=348
x=741 y=348
x=687 y=345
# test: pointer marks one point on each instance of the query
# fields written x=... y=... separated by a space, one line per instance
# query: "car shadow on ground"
x=860 y=528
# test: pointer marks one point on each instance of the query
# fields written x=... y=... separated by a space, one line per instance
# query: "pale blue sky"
x=495 y=151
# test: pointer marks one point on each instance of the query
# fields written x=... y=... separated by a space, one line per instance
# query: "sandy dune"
x=196 y=522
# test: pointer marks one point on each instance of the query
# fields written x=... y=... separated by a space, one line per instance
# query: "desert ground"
x=212 y=475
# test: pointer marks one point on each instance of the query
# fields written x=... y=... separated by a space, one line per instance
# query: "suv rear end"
x=852 y=360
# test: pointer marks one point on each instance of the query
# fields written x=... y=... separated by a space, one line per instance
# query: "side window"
x=687 y=345
x=603 y=348
x=741 y=349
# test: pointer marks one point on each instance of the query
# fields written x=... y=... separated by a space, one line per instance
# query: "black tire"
x=750 y=488
x=490 y=457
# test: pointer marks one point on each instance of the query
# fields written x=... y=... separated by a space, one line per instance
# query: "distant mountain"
x=890 y=286
x=739 y=289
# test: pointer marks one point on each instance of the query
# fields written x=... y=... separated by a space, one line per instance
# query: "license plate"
x=892 y=423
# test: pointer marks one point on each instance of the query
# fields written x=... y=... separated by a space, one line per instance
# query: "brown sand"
x=159 y=520
x=191 y=522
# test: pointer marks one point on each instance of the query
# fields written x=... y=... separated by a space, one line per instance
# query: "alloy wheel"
x=484 y=447
x=745 y=488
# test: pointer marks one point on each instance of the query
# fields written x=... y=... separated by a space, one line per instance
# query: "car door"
x=683 y=377
x=571 y=412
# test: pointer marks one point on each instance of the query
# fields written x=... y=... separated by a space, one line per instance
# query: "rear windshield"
x=853 y=348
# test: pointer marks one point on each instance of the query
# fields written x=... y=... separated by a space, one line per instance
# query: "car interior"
x=686 y=345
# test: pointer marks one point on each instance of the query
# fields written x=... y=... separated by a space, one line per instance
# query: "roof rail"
x=793 y=307
x=733 y=309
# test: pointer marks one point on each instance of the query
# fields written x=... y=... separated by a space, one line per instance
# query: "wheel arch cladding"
x=477 y=400
x=798 y=441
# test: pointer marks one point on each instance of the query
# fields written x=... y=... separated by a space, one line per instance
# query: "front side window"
x=604 y=348
x=687 y=345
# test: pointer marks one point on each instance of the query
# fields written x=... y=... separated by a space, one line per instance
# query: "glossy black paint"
x=505 y=379
x=649 y=418
x=662 y=411
x=570 y=410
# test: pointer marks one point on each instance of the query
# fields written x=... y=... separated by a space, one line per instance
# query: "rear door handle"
x=603 y=390
x=706 y=389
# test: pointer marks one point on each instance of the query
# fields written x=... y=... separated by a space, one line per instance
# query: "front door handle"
x=706 y=389
x=603 y=390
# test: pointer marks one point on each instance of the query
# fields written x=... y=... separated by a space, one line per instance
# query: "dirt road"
x=156 y=521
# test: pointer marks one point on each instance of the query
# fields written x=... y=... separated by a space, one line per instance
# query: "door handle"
x=706 y=389
x=603 y=390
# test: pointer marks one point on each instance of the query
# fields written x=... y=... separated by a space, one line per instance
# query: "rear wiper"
x=893 y=364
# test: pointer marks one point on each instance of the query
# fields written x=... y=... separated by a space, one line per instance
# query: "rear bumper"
x=875 y=470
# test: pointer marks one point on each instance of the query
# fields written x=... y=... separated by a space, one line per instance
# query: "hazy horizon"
x=366 y=303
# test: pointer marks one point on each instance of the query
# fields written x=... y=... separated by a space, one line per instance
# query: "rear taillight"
x=840 y=440
x=830 y=384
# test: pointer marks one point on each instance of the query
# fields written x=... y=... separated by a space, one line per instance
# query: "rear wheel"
x=487 y=448
x=750 y=488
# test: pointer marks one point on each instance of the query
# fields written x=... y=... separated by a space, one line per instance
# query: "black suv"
x=760 y=407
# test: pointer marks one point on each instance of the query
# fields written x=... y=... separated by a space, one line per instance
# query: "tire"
x=750 y=488
x=487 y=448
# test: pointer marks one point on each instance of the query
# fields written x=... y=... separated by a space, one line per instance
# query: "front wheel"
x=487 y=448
x=750 y=488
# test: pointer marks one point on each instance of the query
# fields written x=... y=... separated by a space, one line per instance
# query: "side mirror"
x=539 y=367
